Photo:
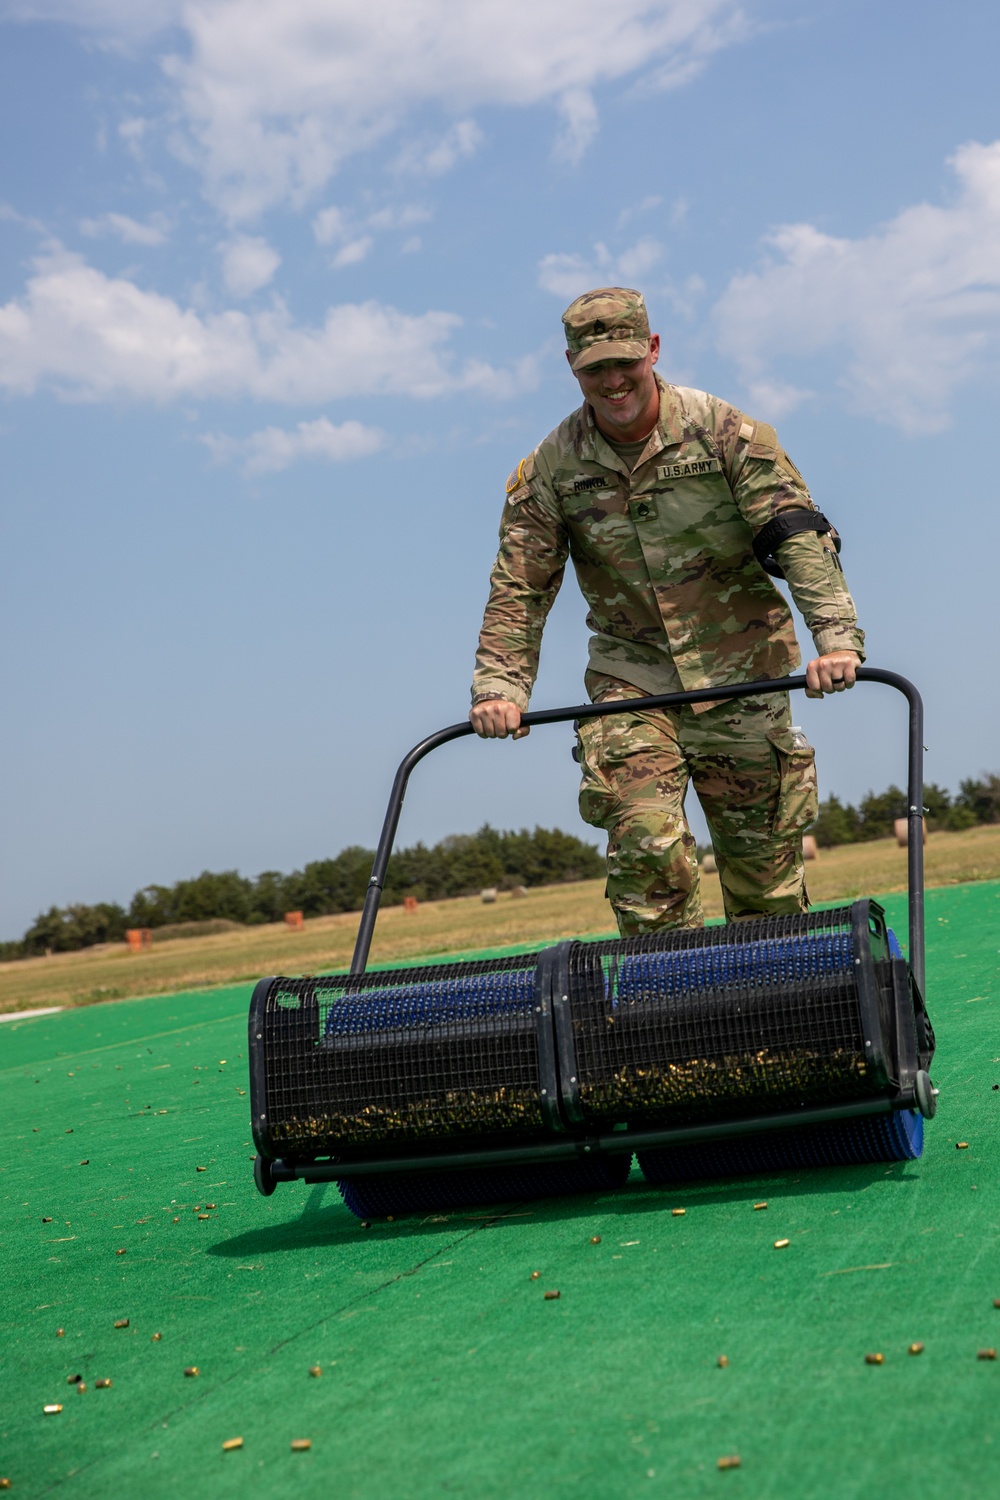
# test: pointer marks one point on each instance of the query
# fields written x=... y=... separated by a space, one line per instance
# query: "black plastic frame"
x=915 y=786
x=556 y=1052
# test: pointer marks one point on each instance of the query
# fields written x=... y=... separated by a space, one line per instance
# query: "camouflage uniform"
x=677 y=600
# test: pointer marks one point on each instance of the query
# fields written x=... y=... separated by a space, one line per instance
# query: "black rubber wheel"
x=263 y=1176
x=427 y=1192
x=926 y=1095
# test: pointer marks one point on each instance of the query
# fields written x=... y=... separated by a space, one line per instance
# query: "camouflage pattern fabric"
x=663 y=555
x=756 y=782
x=610 y=323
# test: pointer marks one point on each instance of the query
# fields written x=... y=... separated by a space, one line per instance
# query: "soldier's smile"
x=622 y=393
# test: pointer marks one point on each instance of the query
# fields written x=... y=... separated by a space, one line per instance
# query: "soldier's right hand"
x=495 y=719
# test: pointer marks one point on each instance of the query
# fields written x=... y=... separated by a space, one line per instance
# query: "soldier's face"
x=623 y=393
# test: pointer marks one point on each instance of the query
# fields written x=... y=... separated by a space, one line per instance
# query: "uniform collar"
x=669 y=430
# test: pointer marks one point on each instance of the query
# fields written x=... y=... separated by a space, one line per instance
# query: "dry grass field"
x=111 y=972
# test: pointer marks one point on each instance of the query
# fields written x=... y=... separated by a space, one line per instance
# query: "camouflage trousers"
x=756 y=784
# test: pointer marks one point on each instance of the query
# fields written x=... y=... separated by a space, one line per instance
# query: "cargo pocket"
x=598 y=798
x=798 y=798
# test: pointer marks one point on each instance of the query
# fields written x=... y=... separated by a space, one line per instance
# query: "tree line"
x=459 y=865
x=874 y=816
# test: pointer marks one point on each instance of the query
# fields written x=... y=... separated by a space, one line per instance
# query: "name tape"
x=595 y=482
x=690 y=466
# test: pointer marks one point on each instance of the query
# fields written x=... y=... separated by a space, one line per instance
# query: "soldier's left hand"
x=831 y=673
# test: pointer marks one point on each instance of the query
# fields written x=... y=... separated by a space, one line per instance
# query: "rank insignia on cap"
x=514 y=478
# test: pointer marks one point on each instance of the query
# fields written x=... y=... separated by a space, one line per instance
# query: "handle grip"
x=914 y=798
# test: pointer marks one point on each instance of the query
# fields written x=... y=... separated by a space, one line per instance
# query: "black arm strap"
x=788 y=523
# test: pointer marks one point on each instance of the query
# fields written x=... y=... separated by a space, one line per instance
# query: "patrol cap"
x=609 y=323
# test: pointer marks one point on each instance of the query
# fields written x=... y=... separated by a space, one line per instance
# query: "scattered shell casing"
x=156 y=1337
x=874 y=1359
x=204 y=1216
x=728 y=1461
x=177 y=1221
x=390 y=1218
x=46 y=1221
x=191 y=1370
x=552 y=1296
x=678 y=1213
x=211 y=1205
x=758 y=1206
x=231 y=1444
x=119 y=1252
x=73 y=1379
x=103 y=1384
x=986 y=1354
x=201 y=1169
x=301 y=1445
x=722 y=1362
x=81 y=1386
x=52 y=1408
x=5 y=1483
x=595 y=1239
x=961 y=1145
x=85 y=1162
x=996 y=1303
x=365 y=1224
x=782 y=1244
x=915 y=1349
x=60 y=1333
x=315 y=1371
x=534 y=1275
x=121 y=1322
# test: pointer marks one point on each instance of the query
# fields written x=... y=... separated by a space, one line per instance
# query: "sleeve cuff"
x=839 y=638
x=512 y=691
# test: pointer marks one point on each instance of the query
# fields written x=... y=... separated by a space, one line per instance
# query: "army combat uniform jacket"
x=663 y=555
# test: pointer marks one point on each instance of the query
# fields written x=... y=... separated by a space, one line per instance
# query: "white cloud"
x=332 y=226
x=91 y=336
x=911 y=312
x=248 y=263
x=432 y=158
x=274 y=448
x=568 y=275
x=153 y=232
x=124 y=21
x=276 y=96
x=353 y=252
x=579 y=126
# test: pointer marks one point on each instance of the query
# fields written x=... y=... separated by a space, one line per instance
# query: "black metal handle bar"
x=914 y=797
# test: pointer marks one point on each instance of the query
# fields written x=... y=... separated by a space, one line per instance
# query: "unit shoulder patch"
x=765 y=442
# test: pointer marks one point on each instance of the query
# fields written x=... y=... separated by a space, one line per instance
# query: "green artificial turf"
x=445 y=1371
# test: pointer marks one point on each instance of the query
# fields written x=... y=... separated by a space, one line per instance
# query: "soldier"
x=676 y=509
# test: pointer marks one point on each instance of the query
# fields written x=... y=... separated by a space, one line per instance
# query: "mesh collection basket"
x=588 y=1048
x=405 y=1058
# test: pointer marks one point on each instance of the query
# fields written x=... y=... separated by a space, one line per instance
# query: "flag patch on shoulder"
x=515 y=476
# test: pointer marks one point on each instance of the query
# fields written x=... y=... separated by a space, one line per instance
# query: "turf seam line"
x=153 y=1036
x=209 y=1391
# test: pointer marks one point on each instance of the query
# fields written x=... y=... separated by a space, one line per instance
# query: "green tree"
x=836 y=824
x=64 y=929
x=981 y=798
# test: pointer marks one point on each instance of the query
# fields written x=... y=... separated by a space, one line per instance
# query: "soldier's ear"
x=654 y=347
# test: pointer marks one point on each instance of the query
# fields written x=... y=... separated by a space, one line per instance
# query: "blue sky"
x=280 y=290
